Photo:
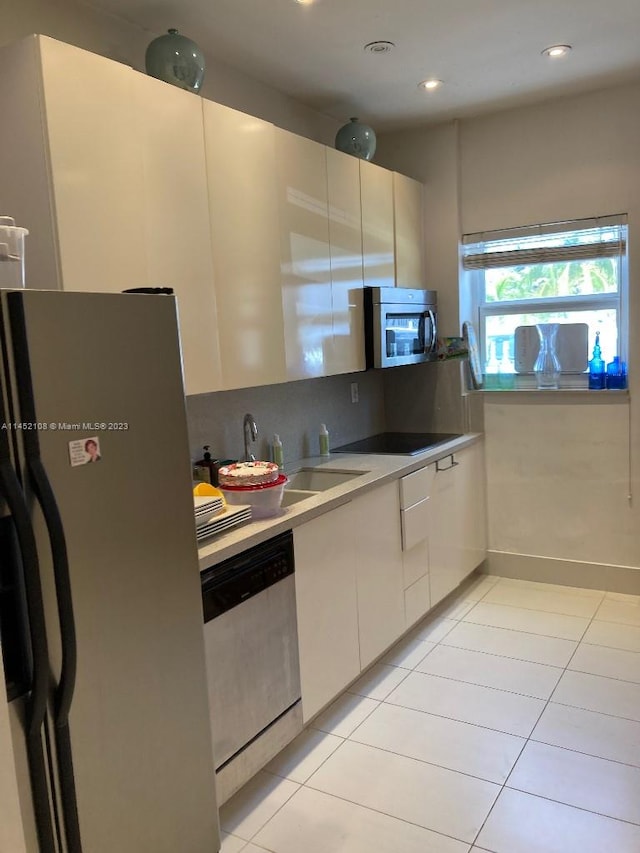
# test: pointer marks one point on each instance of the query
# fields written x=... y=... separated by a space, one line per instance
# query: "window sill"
x=572 y=386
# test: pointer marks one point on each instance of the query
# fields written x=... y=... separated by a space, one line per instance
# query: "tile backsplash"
x=418 y=398
x=294 y=410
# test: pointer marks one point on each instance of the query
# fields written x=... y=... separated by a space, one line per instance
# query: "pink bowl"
x=264 y=498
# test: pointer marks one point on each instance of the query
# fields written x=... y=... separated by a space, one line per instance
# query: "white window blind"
x=557 y=242
x=562 y=272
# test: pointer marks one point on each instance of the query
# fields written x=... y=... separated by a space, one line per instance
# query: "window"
x=567 y=273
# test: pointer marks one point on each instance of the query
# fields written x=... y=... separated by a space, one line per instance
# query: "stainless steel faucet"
x=250 y=430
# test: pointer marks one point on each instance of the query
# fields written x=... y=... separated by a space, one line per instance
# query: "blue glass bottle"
x=616 y=374
x=597 y=375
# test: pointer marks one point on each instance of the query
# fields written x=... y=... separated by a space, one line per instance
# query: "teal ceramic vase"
x=357 y=139
x=176 y=59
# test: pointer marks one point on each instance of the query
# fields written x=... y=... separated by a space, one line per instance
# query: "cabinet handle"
x=449 y=467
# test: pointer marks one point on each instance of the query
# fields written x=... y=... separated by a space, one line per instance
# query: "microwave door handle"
x=36 y=705
x=434 y=333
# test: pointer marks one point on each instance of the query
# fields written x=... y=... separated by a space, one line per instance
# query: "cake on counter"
x=248 y=474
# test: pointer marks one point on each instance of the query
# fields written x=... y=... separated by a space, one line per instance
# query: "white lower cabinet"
x=472 y=508
x=327 y=607
x=349 y=593
x=367 y=571
x=417 y=597
x=457 y=544
x=380 y=584
x=415 y=511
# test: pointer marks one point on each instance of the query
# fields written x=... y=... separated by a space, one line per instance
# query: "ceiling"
x=487 y=52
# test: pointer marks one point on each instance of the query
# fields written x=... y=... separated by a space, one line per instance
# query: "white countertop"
x=378 y=470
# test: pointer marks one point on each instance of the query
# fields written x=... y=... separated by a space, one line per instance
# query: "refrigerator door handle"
x=63 y=694
x=36 y=705
x=39 y=481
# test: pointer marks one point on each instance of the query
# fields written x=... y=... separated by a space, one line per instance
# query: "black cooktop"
x=397 y=443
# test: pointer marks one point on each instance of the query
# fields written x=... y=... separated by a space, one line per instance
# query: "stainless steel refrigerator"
x=107 y=738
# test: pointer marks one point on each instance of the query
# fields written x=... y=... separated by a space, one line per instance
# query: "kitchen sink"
x=319 y=479
x=293 y=496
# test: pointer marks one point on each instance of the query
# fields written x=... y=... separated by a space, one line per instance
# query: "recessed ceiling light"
x=430 y=85
x=556 y=50
x=305 y=2
x=379 y=47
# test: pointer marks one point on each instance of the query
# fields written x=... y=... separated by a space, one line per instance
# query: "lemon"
x=206 y=490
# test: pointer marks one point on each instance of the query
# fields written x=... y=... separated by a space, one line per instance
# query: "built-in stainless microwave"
x=400 y=326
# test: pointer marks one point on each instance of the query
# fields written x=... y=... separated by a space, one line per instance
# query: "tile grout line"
x=392 y=816
x=529 y=738
x=587 y=754
x=540 y=610
x=591 y=711
x=344 y=740
x=580 y=808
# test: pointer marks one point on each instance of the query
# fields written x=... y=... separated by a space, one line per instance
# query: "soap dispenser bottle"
x=208 y=467
x=278 y=452
x=597 y=374
x=324 y=440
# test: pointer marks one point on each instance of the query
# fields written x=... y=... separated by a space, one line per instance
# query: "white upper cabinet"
x=376 y=196
x=345 y=249
x=267 y=238
x=301 y=169
x=408 y=205
x=110 y=180
x=96 y=169
x=176 y=220
x=245 y=244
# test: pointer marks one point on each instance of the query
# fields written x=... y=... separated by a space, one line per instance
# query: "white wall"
x=560 y=469
x=98 y=32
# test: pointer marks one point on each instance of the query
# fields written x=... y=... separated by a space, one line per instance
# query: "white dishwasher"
x=253 y=669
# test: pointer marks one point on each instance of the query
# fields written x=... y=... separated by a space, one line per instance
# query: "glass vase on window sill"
x=547 y=367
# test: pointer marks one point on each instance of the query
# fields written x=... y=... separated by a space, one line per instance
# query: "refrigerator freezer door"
x=11 y=828
x=106 y=368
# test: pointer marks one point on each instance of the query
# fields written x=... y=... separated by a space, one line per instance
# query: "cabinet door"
x=169 y=132
x=415 y=536
x=376 y=195
x=409 y=231
x=245 y=242
x=327 y=607
x=417 y=598
x=304 y=254
x=96 y=169
x=345 y=247
x=445 y=547
x=381 y=617
x=472 y=508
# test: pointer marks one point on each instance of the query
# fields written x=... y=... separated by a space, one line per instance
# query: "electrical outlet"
x=355 y=393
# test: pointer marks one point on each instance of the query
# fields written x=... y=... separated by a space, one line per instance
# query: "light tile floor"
x=509 y=722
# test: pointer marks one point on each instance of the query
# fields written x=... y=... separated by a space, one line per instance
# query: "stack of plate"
x=205 y=507
x=229 y=517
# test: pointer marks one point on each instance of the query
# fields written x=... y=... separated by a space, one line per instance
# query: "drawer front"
x=417 y=486
x=415 y=524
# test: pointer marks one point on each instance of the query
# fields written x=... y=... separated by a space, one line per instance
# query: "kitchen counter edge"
x=378 y=471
